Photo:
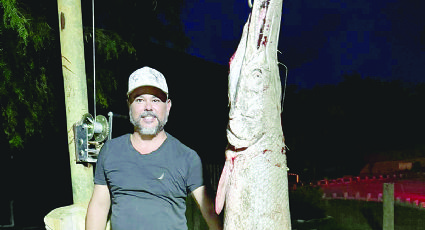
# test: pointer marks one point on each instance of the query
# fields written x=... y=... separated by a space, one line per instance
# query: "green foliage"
x=306 y=203
x=28 y=48
x=14 y=19
x=108 y=43
x=24 y=88
x=354 y=214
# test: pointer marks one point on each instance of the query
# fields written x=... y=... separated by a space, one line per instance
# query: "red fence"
x=406 y=190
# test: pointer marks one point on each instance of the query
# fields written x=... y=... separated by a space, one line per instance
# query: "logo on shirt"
x=161 y=177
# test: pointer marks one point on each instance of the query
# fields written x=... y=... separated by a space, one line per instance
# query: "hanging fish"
x=253 y=187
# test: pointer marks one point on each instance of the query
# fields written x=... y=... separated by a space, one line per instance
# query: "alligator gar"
x=253 y=187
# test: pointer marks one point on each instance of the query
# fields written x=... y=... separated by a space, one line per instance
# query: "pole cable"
x=94 y=62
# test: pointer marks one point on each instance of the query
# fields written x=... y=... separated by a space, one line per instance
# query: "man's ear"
x=168 y=105
x=129 y=101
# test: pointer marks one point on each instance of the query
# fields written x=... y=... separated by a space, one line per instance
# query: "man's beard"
x=151 y=131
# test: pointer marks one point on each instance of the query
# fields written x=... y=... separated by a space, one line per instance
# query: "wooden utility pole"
x=75 y=86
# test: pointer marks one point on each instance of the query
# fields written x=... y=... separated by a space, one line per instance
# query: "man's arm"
x=207 y=208
x=97 y=212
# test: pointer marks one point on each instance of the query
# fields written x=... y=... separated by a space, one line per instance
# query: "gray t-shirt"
x=148 y=191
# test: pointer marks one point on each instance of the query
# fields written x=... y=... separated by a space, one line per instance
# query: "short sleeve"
x=99 y=175
x=194 y=177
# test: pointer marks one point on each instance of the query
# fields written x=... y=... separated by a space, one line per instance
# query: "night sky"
x=321 y=40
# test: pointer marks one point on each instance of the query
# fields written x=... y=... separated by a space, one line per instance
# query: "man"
x=146 y=176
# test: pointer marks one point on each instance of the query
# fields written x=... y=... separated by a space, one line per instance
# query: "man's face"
x=148 y=113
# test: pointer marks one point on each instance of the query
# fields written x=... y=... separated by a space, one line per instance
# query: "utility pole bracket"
x=86 y=149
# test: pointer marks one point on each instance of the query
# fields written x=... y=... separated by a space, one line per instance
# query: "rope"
x=284 y=87
x=94 y=63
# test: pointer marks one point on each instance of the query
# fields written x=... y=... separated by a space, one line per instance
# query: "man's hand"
x=207 y=208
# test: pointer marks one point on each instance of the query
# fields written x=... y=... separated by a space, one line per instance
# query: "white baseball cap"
x=147 y=76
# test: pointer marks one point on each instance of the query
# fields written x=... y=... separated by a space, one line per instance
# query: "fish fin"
x=222 y=188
